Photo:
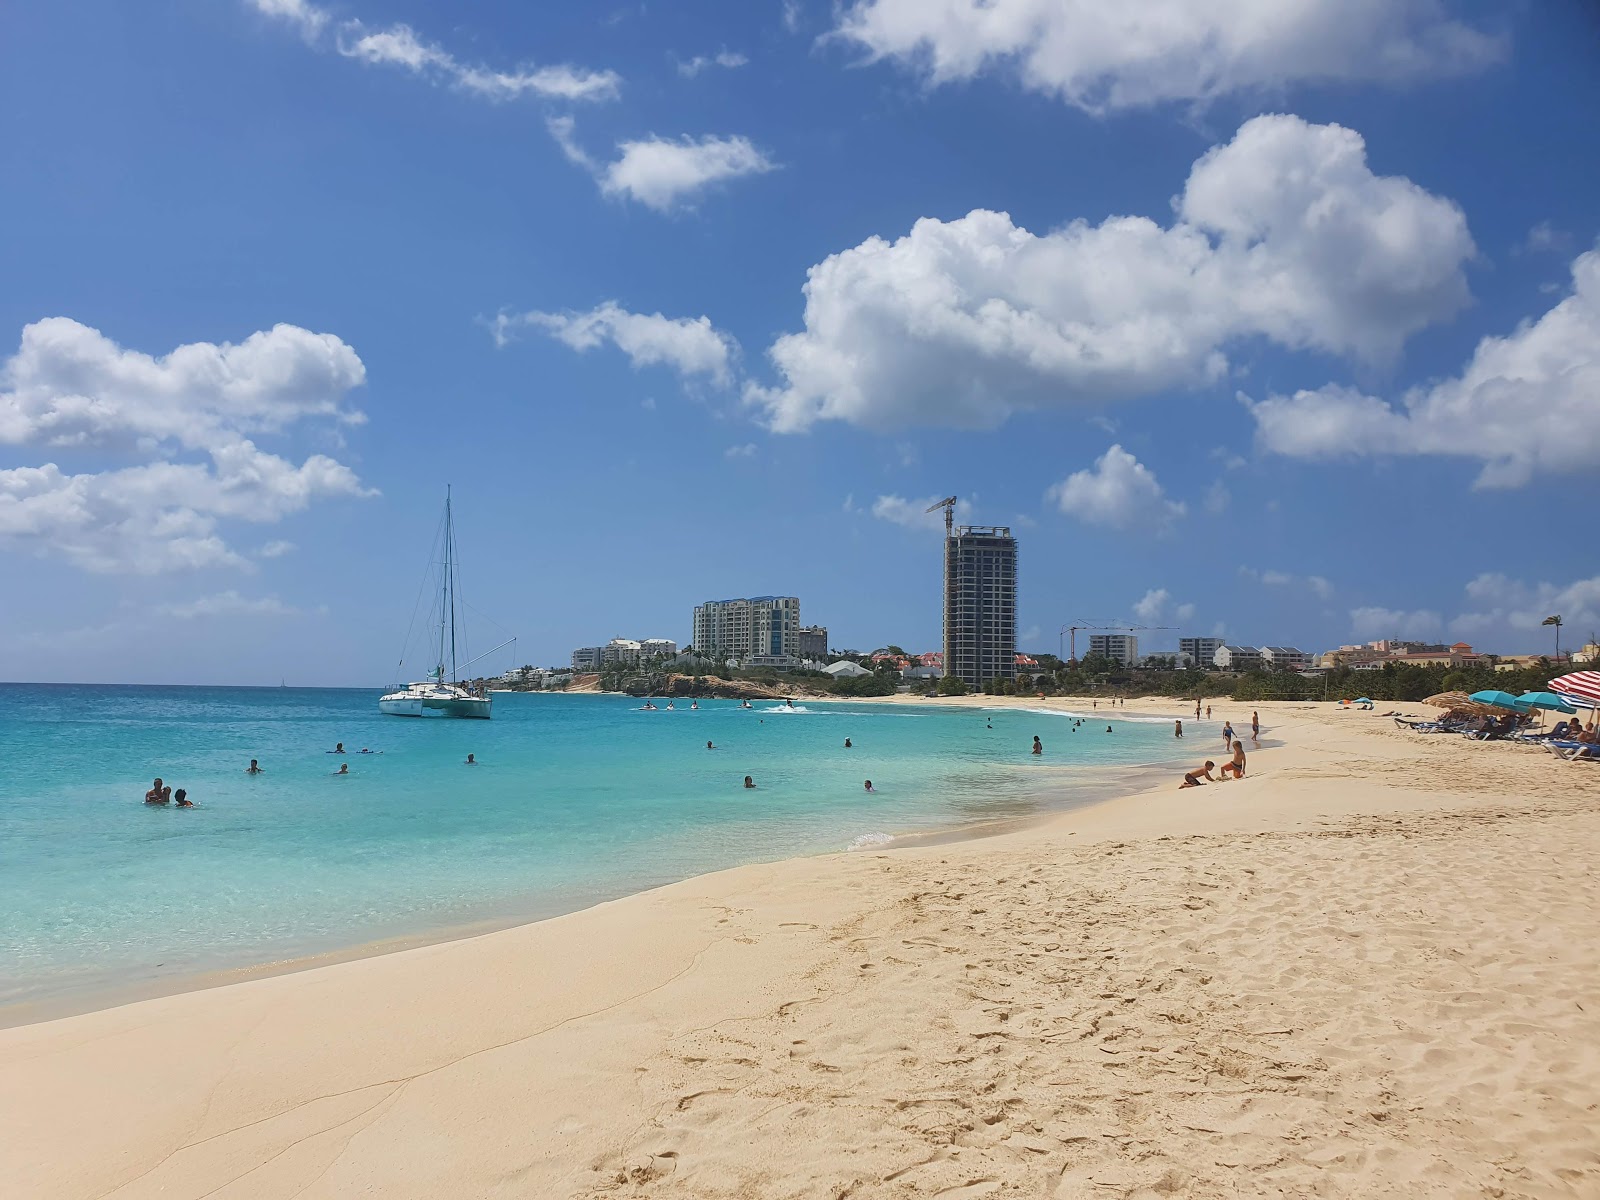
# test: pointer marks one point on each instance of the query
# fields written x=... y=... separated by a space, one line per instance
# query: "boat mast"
x=450 y=575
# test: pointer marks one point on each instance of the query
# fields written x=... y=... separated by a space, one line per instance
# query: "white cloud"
x=401 y=46
x=913 y=514
x=308 y=18
x=1101 y=56
x=1376 y=622
x=1118 y=491
x=1319 y=585
x=1184 y=613
x=1276 y=578
x=662 y=173
x=1545 y=236
x=1284 y=233
x=691 y=346
x=748 y=450
x=275 y=549
x=1525 y=404
x=791 y=15
x=723 y=58
x=1152 y=605
x=74 y=391
x=1504 y=603
x=229 y=604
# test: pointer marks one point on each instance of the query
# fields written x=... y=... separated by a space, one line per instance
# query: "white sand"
x=1370 y=968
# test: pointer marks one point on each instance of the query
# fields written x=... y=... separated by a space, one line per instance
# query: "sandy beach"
x=1369 y=968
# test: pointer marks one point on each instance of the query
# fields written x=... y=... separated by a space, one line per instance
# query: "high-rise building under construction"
x=980 y=604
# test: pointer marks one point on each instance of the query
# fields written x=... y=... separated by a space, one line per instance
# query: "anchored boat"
x=443 y=694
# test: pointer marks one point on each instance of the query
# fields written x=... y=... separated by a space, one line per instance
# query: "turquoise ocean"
x=577 y=799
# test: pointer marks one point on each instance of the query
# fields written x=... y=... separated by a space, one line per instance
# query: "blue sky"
x=1287 y=328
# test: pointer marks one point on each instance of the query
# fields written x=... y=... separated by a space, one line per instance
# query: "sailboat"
x=442 y=694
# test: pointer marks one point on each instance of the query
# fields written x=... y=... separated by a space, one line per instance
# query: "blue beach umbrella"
x=1498 y=699
x=1545 y=700
x=1363 y=700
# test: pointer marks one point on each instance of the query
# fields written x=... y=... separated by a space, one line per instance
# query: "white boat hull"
x=429 y=701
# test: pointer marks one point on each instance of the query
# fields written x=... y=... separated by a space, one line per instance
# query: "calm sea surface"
x=577 y=799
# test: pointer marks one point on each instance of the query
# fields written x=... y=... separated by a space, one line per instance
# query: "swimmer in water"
x=153 y=796
x=181 y=798
x=472 y=760
x=748 y=782
x=1108 y=729
x=253 y=769
x=709 y=746
x=1038 y=746
x=338 y=748
x=869 y=785
x=344 y=769
x=847 y=744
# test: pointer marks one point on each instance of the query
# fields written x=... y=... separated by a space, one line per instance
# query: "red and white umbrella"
x=1581 y=688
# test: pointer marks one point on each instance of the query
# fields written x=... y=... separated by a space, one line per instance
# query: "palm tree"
x=1556 y=621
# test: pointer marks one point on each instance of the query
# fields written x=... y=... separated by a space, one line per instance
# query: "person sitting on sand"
x=153 y=796
x=1193 y=778
x=748 y=782
x=344 y=769
x=181 y=798
x=1038 y=746
x=472 y=760
x=253 y=769
x=1234 y=768
x=869 y=785
x=1177 y=729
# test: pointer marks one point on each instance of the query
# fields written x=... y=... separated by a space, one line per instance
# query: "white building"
x=754 y=627
x=845 y=669
x=1237 y=658
x=1201 y=650
x=588 y=658
x=1118 y=647
x=1284 y=658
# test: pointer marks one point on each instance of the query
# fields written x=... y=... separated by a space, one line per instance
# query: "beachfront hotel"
x=980 y=604
x=757 y=630
x=1118 y=647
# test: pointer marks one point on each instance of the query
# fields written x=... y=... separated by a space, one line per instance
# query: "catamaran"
x=442 y=694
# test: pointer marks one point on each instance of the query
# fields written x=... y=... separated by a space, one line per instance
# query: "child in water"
x=181 y=798
x=869 y=785
x=1038 y=746
x=748 y=782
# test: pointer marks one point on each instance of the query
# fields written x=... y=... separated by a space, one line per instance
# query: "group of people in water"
x=162 y=793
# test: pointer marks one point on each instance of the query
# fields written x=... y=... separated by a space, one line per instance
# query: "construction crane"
x=1071 y=632
x=949 y=506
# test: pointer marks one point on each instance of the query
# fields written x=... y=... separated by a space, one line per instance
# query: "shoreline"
x=1103 y=784
x=1369 y=968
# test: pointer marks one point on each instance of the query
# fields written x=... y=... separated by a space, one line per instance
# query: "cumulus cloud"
x=229 y=604
x=1118 y=491
x=664 y=173
x=748 y=450
x=73 y=391
x=1500 y=602
x=401 y=46
x=689 y=68
x=691 y=346
x=1157 y=604
x=1102 y=56
x=1525 y=403
x=1377 y=622
x=914 y=514
x=276 y=548
x=1284 y=233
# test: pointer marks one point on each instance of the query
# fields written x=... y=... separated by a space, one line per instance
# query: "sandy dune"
x=1370 y=968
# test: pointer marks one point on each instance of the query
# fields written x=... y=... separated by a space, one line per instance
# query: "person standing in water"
x=1038 y=746
x=472 y=760
x=153 y=796
x=869 y=785
x=1177 y=729
x=181 y=798
x=748 y=782
x=1197 y=710
x=847 y=744
x=344 y=769
x=1227 y=733
x=253 y=769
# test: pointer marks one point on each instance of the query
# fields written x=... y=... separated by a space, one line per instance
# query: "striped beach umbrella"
x=1581 y=688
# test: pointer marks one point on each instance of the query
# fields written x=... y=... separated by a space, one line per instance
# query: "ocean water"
x=576 y=799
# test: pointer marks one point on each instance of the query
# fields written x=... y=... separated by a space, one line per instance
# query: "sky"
x=1273 y=322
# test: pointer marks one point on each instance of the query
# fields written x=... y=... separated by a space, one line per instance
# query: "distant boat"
x=442 y=694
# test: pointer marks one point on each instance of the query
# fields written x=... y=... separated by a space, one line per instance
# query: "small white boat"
x=442 y=695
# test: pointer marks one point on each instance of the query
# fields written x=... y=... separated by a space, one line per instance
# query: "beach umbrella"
x=1581 y=688
x=1364 y=700
x=1547 y=700
x=1449 y=700
x=1499 y=699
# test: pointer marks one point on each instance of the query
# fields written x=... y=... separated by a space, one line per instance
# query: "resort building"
x=758 y=630
x=812 y=642
x=1201 y=650
x=1118 y=647
x=1284 y=658
x=980 y=604
x=1237 y=658
x=588 y=658
x=845 y=669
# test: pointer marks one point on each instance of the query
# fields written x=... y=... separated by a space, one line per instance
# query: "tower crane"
x=1071 y=631
x=949 y=506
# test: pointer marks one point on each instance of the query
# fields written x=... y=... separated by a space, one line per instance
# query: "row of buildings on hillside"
x=622 y=652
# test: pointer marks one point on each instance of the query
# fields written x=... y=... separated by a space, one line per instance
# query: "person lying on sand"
x=1192 y=779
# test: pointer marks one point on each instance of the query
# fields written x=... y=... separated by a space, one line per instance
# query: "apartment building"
x=1118 y=647
x=761 y=630
x=980 y=604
